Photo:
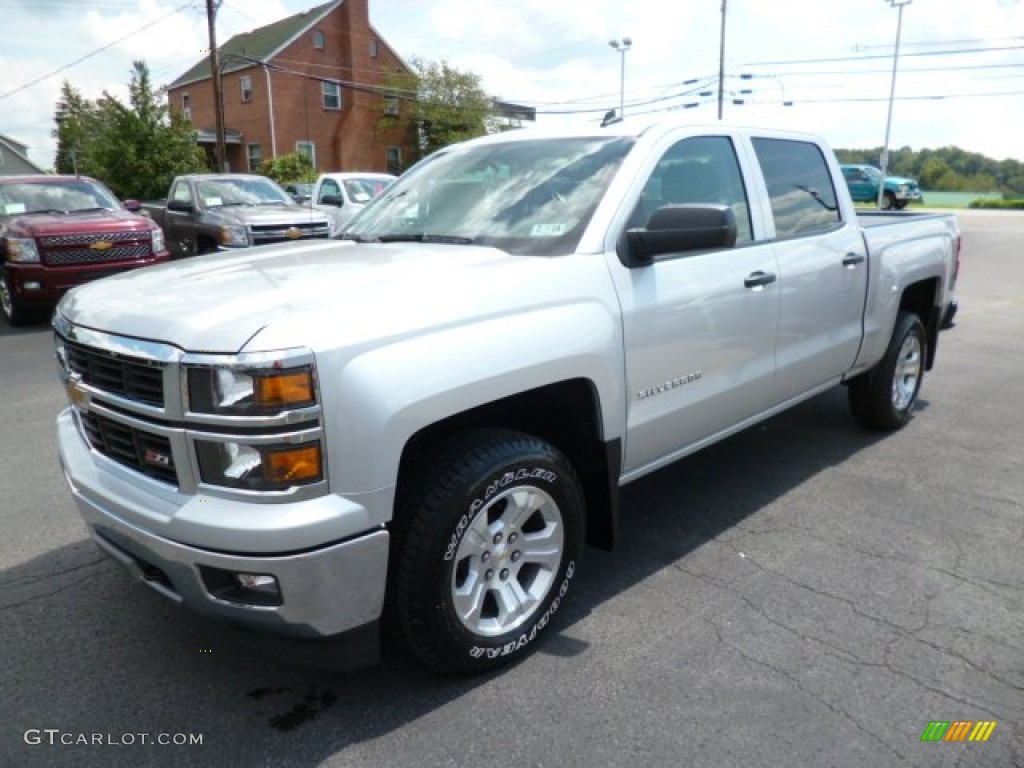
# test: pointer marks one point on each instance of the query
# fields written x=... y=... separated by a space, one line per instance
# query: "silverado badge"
x=101 y=245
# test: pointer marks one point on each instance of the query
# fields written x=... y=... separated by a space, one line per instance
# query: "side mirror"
x=184 y=206
x=679 y=228
x=132 y=205
x=335 y=200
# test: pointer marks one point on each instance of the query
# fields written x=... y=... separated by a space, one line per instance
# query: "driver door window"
x=697 y=170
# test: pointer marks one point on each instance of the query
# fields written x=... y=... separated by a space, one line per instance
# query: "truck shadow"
x=89 y=651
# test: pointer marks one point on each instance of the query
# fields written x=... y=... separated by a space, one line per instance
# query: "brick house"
x=311 y=83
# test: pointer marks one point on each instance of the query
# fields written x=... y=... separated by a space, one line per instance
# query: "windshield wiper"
x=423 y=237
x=89 y=210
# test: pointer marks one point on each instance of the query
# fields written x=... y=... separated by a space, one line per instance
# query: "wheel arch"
x=921 y=298
x=566 y=414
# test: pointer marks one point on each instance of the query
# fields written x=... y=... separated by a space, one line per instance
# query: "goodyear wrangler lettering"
x=525 y=639
x=535 y=473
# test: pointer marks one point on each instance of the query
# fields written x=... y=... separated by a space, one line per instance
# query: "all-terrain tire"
x=488 y=535
x=883 y=398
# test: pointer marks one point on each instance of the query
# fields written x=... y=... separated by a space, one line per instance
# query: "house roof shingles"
x=262 y=43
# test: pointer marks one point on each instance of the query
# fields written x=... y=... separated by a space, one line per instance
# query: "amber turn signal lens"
x=293 y=465
x=283 y=389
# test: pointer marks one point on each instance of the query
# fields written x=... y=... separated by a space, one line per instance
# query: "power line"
x=885 y=56
x=80 y=59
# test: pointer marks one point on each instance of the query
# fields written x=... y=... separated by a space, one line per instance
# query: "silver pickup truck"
x=420 y=427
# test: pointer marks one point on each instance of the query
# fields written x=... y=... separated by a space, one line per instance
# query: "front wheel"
x=486 y=544
x=888 y=201
x=884 y=397
x=13 y=310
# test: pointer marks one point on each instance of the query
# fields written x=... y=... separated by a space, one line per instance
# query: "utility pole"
x=721 y=64
x=218 y=96
x=884 y=159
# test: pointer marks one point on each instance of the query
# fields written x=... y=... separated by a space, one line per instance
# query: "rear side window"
x=799 y=185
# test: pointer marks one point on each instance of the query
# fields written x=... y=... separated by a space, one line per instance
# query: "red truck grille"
x=61 y=250
x=142 y=451
x=135 y=379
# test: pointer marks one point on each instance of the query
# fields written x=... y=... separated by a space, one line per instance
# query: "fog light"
x=32 y=285
x=254 y=589
x=259 y=582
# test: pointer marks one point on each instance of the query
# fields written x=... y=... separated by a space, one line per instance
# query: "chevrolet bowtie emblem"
x=293 y=233
x=101 y=245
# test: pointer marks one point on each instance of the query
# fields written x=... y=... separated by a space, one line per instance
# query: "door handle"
x=853 y=259
x=759 y=279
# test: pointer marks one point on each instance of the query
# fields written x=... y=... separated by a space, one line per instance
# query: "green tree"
x=136 y=149
x=285 y=169
x=446 y=105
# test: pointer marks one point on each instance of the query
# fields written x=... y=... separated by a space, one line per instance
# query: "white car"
x=343 y=195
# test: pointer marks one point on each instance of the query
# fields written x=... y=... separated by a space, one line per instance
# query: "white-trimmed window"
x=392 y=106
x=374 y=48
x=318 y=40
x=394 y=160
x=255 y=156
x=331 y=93
x=186 y=106
x=246 y=83
x=307 y=149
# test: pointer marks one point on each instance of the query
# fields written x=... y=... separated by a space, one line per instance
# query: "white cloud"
x=554 y=54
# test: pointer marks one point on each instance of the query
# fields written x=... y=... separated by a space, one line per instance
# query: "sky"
x=823 y=66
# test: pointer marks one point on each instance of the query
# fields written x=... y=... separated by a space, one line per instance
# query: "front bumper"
x=43 y=285
x=324 y=590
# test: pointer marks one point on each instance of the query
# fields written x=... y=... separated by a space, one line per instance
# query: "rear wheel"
x=486 y=544
x=884 y=397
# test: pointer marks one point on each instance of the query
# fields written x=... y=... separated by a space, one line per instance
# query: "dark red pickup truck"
x=57 y=232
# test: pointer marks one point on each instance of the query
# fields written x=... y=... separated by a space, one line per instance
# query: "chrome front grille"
x=87 y=256
x=276 y=233
x=95 y=248
x=134 y=378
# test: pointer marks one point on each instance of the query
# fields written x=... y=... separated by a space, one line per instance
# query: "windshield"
x=242 y=191
x=363 y=190
x=55 y=195
x=531 y=197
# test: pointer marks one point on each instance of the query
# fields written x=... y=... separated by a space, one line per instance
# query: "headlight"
x=250 y=392
x=250 y=467
x=158 y=240
x=22 y=249
x=234 y=237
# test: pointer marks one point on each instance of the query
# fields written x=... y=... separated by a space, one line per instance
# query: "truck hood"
x=49 y=224
x=330 y=293
x=266 y=214
x=900 y=181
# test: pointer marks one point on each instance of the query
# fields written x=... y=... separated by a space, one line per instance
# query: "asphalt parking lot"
x=803 y=594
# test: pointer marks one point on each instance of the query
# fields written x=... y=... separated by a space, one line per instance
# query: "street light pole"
x=721 y=64
x=884 y=159
x=622 y=46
